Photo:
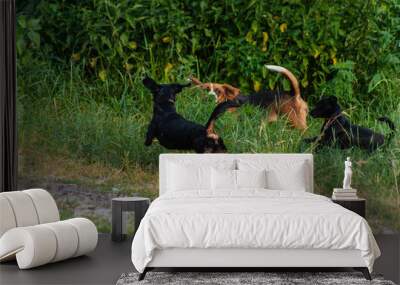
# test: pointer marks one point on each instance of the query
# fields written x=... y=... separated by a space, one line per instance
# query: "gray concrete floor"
x=103 y=266
x=110 y=260
x=389 y=262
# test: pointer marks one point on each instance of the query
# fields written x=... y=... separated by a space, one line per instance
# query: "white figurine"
x=347 y=174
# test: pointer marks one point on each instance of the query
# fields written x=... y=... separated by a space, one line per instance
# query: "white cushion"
x=295 y=181
x=7 y=218
x=87 y=233
x=281 y=174
x=46 y=207
x=26 y=208
x=251 y=179
x=223 y=179
x=23 y=208
x=40 y=244
x=231 y=180
x=187 y=174
x=32 y=246
x=67 y=240
x=183 y=177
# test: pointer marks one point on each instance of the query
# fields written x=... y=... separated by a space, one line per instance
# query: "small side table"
x=357 y=205
x=139 y=205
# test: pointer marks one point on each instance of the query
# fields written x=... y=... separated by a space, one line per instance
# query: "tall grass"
x=61 y=112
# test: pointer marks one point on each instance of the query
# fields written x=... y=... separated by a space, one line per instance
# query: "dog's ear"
x=230 y=91
x=150 y=84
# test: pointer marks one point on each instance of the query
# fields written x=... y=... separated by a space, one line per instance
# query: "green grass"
x=61 y=113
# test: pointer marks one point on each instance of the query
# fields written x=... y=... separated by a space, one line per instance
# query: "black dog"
x=338 y=130
x=175 y=132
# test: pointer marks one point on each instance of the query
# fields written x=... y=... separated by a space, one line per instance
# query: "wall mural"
x=104 y=88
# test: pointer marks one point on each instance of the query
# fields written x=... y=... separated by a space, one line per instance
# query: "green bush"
x=226 y=40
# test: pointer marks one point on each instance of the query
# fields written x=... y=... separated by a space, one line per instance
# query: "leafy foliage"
x=28 y=37
x=226 y=40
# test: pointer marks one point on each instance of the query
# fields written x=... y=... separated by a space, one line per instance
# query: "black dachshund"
x=338 y=130
x=175 y=132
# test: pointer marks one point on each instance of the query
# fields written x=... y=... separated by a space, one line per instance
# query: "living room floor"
x=110 y=259
x=103 y=266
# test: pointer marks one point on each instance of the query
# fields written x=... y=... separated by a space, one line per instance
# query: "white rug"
x=244 y=278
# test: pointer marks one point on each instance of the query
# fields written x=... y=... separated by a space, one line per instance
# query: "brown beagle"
x=290 y=104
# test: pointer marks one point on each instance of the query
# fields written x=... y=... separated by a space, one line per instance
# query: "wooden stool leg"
x=140 y=211
x=116 y=227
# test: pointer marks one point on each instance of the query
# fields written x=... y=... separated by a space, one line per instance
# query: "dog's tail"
x=220 y=109
x=391 y=126
x=289 y=75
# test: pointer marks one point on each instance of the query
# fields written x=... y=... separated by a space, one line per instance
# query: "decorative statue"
x=347 y=174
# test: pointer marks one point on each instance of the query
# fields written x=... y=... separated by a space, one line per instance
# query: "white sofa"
x=31 y=231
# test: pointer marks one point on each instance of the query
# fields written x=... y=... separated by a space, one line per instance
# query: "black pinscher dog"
x=338 y=130
x=175 y=132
